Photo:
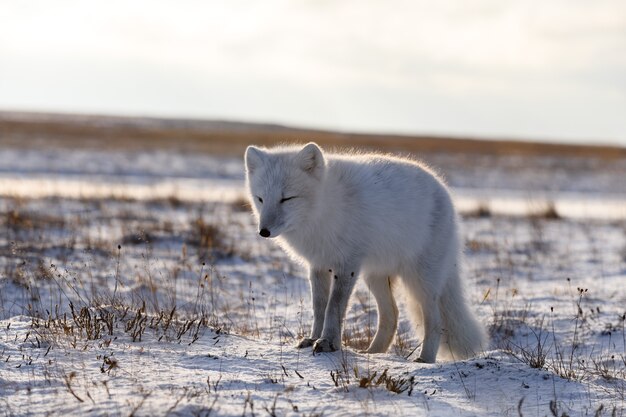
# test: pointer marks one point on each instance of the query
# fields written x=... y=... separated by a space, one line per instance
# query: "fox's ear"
x=255 y=157
x=311 y=159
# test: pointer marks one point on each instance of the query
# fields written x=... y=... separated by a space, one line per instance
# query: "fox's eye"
x=287 y=199
x=260 y=199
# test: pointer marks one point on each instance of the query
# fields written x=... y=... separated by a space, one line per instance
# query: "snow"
x=194 y=314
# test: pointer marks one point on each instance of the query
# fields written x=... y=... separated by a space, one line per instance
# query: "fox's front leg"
x=343 y=281
x=320 y=289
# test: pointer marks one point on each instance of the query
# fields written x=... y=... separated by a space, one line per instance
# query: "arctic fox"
x=379 y=217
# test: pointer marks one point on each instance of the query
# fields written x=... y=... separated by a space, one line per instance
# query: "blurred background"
x=536 y=70
x=512 y=102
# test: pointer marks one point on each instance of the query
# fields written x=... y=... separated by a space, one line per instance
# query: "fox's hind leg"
x=432 y=329
x=320 y=289
x=380 y=287
x=424 y=292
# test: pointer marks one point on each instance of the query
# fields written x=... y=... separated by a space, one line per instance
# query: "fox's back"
x=394 y=188
x=383 y=205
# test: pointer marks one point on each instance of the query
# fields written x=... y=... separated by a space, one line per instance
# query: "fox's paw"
x=323 y=345
x=305 y=342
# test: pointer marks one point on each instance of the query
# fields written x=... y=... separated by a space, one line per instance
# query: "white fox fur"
x=379 y=217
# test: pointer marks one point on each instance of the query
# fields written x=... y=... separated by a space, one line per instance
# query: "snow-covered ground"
x=136 y=284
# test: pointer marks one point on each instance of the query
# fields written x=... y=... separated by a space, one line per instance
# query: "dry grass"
x=482 y=210
x=232 y=138
x=396 y=384
x=547 y=212
x=19 y=219
x=241 y=204
x=209 y=240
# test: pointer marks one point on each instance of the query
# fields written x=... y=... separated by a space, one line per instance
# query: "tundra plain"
x=133 y=282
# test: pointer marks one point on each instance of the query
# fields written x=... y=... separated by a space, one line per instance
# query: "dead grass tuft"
x=209 y=240
x=548 y=212
x=137 y=238
x=17 y=220
x=241 y=205
x=482 y=210
x=398 y=384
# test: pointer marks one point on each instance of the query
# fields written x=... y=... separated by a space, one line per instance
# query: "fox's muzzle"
x=270 y=223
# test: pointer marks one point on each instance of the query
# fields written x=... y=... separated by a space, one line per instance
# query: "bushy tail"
x=463 y=335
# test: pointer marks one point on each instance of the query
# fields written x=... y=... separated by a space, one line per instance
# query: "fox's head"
x=282 y=185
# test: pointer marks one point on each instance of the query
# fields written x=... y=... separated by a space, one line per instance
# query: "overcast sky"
x=551 y=69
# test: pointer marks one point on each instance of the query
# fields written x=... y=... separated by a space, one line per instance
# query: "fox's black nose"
x=264 y=233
